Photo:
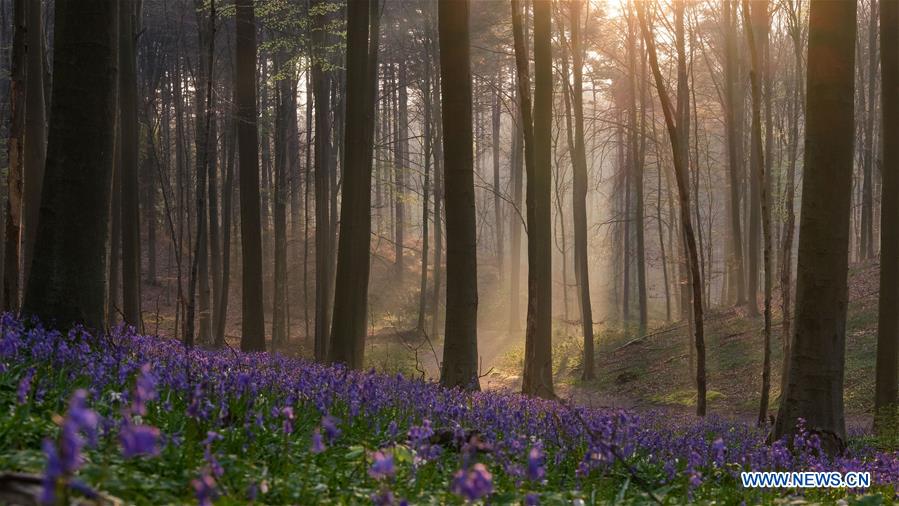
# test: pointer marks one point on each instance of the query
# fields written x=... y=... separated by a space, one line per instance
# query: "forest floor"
x=655 y=371
x=647 y=372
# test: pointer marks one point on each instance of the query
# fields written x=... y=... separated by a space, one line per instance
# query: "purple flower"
x=318 y=446
x=383 y=498
x=139 y=440
x=382 y=465
x=287 y=413
x=144 y=390
x=204 y=489
x=473 y=484
x=25 y=386
x=536 y=460
x=329 y=423
x=64 y=457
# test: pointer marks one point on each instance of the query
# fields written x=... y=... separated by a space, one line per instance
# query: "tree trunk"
x=279 y=208
x=460 y=350
x=887 y=377
x=734 y=125
x=321 y=84
x=682 y=179
x=868 y=154
x=497 y=189
x=15 y=160
x=537 y=378
x=128 y=164
x=253 y=324
x=814 y=389
x=579 y=199
x=353 y=251
x=756 y=23
x=67 y=284
x=35 y=134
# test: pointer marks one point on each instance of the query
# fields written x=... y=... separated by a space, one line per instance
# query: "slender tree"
x=757 y=19
x=683 y=192
x=128 y=170
x=579 y=201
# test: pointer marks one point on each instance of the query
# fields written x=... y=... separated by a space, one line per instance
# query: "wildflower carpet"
x=147 y=421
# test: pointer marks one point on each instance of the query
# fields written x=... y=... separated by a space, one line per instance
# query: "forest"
x=405 y=252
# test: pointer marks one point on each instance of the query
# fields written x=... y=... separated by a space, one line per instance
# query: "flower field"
x=141 y=419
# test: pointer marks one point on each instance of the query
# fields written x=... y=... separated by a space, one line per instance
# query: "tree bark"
x=887 y=372
x=460 y=350
x=321 y=84
x=353 y=250
x=253 y=324
x=129 y=169
x=35 y=134
x=67 y=284
x=15 y=160
x=814 y=390
x=537 y=378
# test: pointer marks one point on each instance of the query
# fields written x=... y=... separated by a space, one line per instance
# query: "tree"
x=537 y=378
x=16 y=158
x=579 y=202
x=887 y=372
x=683 y=192
x=814 y=388
x=321 y=89
x=353 y=251
x=67 y=284
x=128 y=164
x=35 y=134
x=253 y=324
x=757 y=19
x=733 y=117
x=460 y=350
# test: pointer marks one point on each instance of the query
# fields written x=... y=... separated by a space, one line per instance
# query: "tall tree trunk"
x=15 y=160
x=734 y=127
x=199 y=270
x=756 y=23
x=497 y=188
x=129 y=170
x=353 y=250
x=814 y=390
x=253 y=324
x=67 y=283
x=221 y=303
x=400 y=159
x=279 y=208
x=460 y=350
x=868 y=154
x=35 y=134
x=887 y=372
x=515 y=221
x=537 y=378
x=579 y=199
x=425 y=189
x=682 y=179
x=321 y=84
x=789 y=226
